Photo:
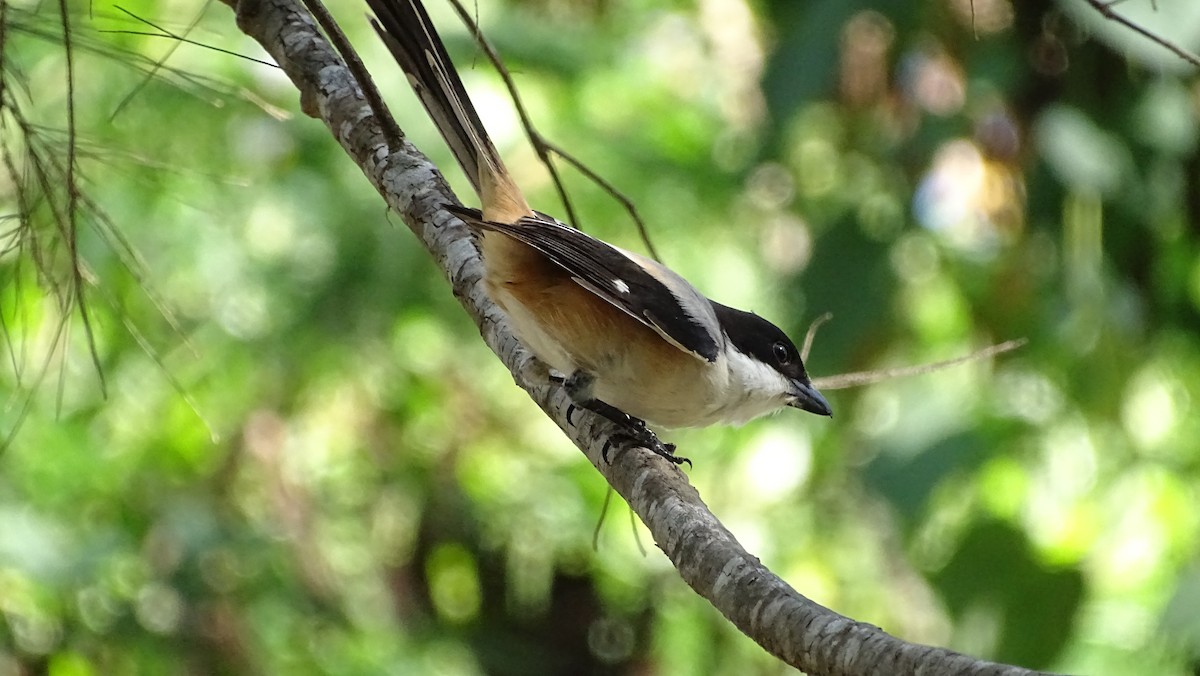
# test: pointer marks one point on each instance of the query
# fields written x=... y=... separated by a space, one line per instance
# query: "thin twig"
x=611 y=190
x=633 y=527
x=164 y=33
x=172 y=380
x=812 y=334
x=846 y=380
x=600 y=521
x=637 y=538
x=24 y=209
x=77 y=285
x=526 y=122
x=391 y=130
x=543 y=147
x=1106 y=10
x=153 y=71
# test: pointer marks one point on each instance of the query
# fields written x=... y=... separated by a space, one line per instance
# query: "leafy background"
x=299 y=457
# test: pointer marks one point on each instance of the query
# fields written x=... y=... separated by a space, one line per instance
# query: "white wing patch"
x=646 y=319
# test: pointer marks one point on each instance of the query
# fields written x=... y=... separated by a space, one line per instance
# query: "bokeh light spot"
x=454 y=582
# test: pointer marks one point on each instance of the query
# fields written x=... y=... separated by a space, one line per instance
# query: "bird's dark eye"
x=782 y=354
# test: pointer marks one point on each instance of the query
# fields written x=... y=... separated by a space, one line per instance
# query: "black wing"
x=686 y=320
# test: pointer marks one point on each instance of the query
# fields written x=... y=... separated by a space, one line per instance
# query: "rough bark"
x=798 y=631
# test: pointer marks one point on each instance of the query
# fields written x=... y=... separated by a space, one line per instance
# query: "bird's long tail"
x=409 y=34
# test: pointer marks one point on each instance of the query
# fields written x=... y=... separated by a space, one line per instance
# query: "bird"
x=627 y=337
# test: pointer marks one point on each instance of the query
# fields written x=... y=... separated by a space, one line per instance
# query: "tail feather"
x=406 y=29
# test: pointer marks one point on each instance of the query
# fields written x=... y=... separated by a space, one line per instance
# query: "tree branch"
x=785 y=623
x=1105 y=8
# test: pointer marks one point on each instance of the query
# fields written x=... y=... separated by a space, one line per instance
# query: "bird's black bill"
x=806 y=398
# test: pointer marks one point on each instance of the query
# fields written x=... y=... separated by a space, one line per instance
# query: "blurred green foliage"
x=301 y=459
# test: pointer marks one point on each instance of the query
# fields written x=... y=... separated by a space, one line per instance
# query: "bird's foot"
x=579 y=388
x=645 y=438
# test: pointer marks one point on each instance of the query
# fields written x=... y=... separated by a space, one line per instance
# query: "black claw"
x=644 y=437
x=570 y=412
x=668 y=451
x=678 y=459
x=604 y=451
